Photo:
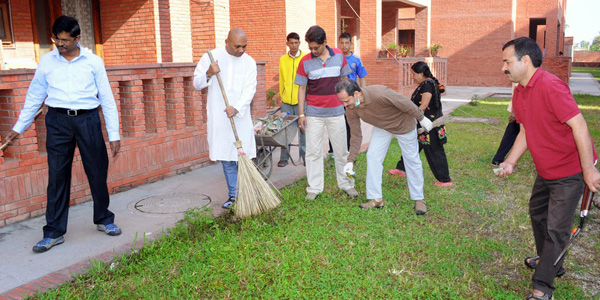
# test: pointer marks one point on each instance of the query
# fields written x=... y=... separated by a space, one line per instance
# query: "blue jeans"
x=230 y=168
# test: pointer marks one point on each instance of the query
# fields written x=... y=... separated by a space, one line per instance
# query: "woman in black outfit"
x=427 y=97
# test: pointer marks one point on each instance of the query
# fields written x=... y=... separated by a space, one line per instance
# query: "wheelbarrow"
x=267 y=143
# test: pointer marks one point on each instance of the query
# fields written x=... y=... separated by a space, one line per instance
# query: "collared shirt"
x=383 y=108
x=543 y=107
x=81 y=83
x=358 y=70
x=320 y=78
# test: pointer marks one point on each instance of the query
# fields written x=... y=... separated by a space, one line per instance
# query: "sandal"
x=397 y=172
x=533 y=263
x=536 y=297
x=282 y=163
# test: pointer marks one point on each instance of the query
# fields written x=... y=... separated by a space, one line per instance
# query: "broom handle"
x=586 y=202
x=7 y=142
x=212 y=60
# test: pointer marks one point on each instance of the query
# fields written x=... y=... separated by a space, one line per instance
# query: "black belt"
x=73 y=112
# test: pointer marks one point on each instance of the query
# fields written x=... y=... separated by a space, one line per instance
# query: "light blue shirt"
x=81 y=83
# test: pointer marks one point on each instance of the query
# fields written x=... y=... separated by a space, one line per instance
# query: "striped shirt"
x=320 y=79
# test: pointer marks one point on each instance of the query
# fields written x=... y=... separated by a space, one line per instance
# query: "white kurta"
x=239 y=79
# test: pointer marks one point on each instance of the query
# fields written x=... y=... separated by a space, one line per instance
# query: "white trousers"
x=336 y=128
x=378 y=148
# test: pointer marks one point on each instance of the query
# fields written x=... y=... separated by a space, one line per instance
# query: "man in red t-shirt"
x=557 y=136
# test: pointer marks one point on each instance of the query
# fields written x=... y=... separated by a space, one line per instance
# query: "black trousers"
x=436 y=158
x=347 y=137
x=510 y=135
x=63 y=134
x=551 y=209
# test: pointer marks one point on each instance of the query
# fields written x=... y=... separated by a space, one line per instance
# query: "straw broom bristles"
x=254 y=194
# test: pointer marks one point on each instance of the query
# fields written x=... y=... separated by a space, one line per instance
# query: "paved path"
x=23 y=271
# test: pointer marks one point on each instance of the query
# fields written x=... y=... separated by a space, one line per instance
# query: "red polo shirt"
x=543 y=107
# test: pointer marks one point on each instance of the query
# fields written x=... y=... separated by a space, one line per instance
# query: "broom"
x=254 y=195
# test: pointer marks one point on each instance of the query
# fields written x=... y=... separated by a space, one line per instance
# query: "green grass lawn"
x=595 y=71
x=470 y=245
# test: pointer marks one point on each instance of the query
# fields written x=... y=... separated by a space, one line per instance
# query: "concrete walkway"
x=144 y=212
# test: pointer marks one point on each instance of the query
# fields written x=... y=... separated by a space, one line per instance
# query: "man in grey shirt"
x=392 y=115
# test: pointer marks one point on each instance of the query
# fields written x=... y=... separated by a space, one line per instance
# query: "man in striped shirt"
x=317 y=75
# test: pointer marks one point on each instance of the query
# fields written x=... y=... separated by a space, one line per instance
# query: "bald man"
x=238 y=73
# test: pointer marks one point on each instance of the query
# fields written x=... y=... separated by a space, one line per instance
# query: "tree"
x=584 y=45
x=595 y=44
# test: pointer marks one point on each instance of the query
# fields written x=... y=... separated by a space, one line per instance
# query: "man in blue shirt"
x=358 y=70
x=72 y=82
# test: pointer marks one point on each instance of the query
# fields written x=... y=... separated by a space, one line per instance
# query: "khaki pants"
x=336 y=127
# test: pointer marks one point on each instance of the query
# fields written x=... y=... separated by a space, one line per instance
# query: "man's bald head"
x=236 y=42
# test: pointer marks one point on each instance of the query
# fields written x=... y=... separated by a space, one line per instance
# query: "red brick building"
x=150 y=48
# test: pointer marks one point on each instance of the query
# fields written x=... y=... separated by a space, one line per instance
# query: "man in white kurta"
x=238 y=73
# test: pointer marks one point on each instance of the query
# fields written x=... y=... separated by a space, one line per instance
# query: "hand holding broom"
x=255 y=195
x=436 y=123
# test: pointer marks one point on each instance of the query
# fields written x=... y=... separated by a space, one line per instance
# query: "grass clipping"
x=255 y=195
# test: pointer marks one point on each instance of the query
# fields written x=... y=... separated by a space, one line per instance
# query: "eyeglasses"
x=315 y=48
x=61 y=41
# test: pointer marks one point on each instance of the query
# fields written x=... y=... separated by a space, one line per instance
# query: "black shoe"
x=229 y=202
x=496 y=163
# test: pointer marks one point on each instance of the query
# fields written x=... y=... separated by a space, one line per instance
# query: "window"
x=5 y=24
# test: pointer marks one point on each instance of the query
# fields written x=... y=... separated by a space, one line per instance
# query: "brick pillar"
x=174 y=101
x=132 y=108
x=327 y=18
x=421 y=32
x=194 y=110
x=368 y=42
x=202 y=16
x=164 y=14
x=154 y=105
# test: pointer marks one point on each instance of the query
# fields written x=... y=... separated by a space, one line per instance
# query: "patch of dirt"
x=490 y=121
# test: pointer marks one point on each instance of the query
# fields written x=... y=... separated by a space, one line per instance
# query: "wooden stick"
x=8 y=141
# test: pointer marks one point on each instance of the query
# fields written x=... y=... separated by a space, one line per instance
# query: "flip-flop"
x=397 y=172
x=282 y=163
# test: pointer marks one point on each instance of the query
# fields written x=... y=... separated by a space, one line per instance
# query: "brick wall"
x=128 y=30
x=472 y=34
x=586 y=56
x=266 y=35
x=203 y=28
x=163 y=134
x=164 y=21
x=328 y=16
x=559 y=66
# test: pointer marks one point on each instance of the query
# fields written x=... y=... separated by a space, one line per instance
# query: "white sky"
x=583 y=19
